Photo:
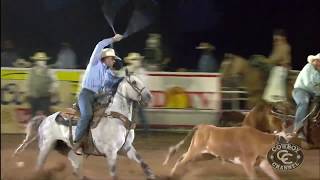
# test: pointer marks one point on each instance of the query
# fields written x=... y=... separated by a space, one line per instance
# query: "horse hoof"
x=151 y=177
x=84 y=178
x=79 y=176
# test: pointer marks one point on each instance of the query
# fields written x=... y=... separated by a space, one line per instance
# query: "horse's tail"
x=31 y=133
x=174 y=149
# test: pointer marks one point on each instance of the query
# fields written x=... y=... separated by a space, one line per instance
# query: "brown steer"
x=240 y=145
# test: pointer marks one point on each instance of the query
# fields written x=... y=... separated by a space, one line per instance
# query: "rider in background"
x=98 y=74
x=306 y=87
x=281 y=50
x=153 y=53
x=280 y=61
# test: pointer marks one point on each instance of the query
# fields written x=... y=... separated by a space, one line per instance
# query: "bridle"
x=135 y=88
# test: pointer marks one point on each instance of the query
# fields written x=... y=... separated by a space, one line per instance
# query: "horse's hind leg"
x=132 y=154
x=45 y=147
x=76 y=162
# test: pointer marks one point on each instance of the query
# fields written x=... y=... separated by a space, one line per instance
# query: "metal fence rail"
x=233 y=97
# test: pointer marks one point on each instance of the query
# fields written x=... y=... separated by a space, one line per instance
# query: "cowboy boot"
x=298 y=128
x=301 y=136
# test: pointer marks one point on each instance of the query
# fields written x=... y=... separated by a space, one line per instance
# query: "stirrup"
x=77 y=150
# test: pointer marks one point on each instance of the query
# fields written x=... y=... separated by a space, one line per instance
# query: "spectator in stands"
x=66 y=58
x=41 y=85
x=207 y=62
x=8 y=54
x=134 y=66
x=22 y=63
x=153 y=53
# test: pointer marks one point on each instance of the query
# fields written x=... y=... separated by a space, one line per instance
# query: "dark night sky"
x=243 y=27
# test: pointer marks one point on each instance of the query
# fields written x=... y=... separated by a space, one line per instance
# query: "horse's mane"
x=115 y=86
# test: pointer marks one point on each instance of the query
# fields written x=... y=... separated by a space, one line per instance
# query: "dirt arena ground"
x=153 y=149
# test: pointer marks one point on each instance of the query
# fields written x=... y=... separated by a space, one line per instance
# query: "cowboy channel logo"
x=285 y=156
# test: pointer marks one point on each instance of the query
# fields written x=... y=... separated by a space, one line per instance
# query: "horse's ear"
x=127 y=72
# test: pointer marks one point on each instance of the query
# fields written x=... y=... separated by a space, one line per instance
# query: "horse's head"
x=282 y=112
x=136 y=90
x=263 y=117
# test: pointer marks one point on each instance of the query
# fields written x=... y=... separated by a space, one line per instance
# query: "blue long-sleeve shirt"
x=97 y=75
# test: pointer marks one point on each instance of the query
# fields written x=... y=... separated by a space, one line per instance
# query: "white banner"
x=187 y=91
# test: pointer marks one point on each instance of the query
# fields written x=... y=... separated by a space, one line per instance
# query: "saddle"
x=72 y=116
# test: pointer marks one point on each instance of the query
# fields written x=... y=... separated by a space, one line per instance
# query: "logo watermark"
x=285 y=156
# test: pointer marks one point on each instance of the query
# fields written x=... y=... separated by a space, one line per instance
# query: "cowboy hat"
x=40 y=56
x=133 y=57
x=109 y=52
x=205 y=45
x=311 y=58
x=21 y=63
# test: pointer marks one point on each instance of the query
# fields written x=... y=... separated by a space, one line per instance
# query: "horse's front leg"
x=132 y=154
x=111 y=155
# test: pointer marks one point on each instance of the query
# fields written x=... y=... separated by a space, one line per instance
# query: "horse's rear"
x=312 y=125
x=237 y=72
x=314 y=134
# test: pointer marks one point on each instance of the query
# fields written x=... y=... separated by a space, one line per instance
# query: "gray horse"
x=110 y=136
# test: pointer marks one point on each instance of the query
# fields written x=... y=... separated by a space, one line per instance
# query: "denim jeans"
x=85 y=101
x=302 y=99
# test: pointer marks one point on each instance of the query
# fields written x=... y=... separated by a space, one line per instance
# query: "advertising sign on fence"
x=192 y=91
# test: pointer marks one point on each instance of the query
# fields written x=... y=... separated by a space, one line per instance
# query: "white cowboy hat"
x=311 y=58
x=109 y=52
x=205 y=45
x=40 y=56
x=21 y=63
x=133 y=57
